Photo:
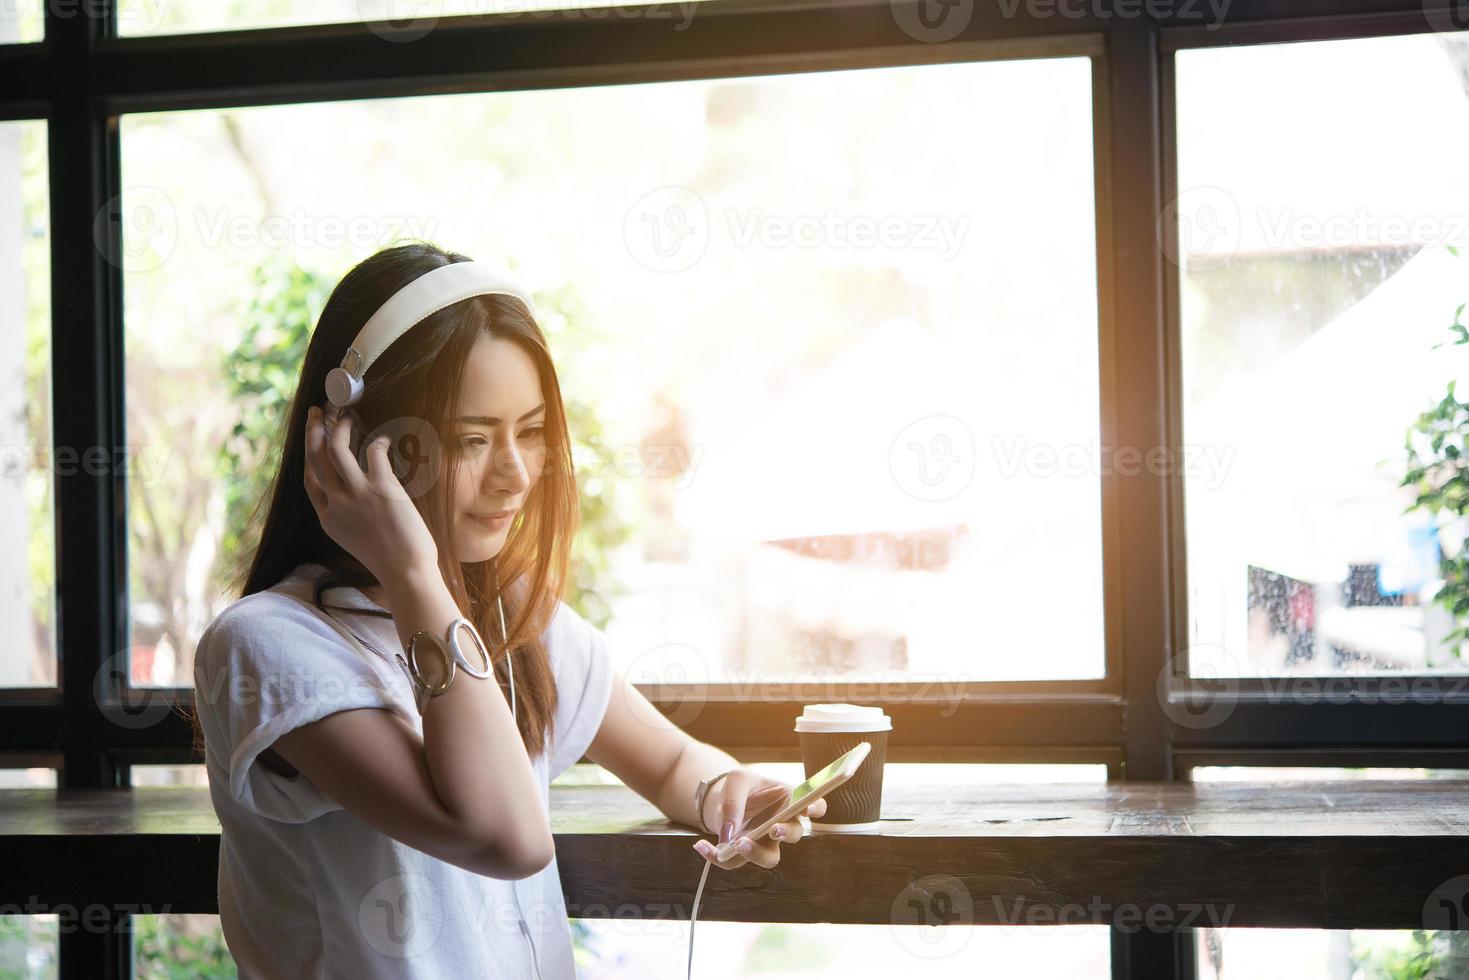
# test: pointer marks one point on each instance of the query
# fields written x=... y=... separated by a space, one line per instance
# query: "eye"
x=472 y=442
x=534 y=431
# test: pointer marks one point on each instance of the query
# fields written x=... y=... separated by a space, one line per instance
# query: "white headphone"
x=424 y=296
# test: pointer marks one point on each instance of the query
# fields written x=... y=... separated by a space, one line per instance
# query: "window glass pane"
x=27 y=521
x=1316 y=285
x=643 y=947
x=1330 y=954
x=186 y=775
x=143 y=17
x=1322 y=954
x=21 y=20
x=835 y=474
x=32 y=778
x=1217 y=774
x=30 y=946
x=894 y=773
x=173 y=945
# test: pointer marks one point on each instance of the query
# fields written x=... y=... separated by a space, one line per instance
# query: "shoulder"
x=577 y=650
x=258 y=626
x=571 y=637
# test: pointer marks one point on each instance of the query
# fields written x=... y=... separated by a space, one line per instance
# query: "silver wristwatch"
x=701 y=793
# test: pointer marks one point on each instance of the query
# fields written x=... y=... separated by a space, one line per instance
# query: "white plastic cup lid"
x=843 y=718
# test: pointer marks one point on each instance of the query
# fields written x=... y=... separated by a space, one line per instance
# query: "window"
x=27 y=458
x=20 y=20
x=1316 y=279
x=867 y=380
x=171 y=944
x=1323 y=954
x=1216 y=774
x=408 y=19
x=28 y=946
x=887 y=292
x=166 y=775
x=34 y=777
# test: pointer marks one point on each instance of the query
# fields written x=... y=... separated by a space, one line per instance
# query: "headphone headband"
x=421 y=298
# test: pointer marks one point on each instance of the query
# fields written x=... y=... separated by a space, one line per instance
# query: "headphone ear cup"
x=342 y=387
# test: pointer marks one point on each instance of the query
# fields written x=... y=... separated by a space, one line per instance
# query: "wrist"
x=712 y=804
x=709 y=812
x=412 y=583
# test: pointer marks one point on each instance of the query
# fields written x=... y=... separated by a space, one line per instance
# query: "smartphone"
x=813 y=789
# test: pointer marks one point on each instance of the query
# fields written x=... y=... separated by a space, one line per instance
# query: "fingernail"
x=779 y=833
x=703 y=848
x=726 y=832
x=745 y=846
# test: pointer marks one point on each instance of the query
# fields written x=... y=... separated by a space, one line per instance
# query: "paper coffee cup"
x=826 y=731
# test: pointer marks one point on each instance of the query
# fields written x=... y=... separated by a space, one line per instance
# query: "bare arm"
x=656 y=758
x=664 y=764
x=465 y=792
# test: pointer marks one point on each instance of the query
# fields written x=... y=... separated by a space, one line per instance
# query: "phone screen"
x=810 y=787
x=764 y=814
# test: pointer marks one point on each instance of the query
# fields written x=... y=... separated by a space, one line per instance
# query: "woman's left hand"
x=747 y=792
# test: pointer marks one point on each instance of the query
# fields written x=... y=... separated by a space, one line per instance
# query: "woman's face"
x=498 y=436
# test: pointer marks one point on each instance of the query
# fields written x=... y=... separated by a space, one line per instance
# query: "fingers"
x=732 y=809
x=379 y=467
x=339 y=451
x=707 y=851
x=789 y=832
x=816 y=809
x=318 y=470
x=764 y=853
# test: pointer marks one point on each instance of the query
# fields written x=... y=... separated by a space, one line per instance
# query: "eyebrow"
x=492 y=422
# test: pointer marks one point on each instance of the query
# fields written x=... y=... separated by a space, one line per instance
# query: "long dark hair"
x=418 y=376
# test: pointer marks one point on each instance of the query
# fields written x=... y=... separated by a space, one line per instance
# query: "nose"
x=508 y=474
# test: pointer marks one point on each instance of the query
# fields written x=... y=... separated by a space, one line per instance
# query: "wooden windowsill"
x=1357 y=854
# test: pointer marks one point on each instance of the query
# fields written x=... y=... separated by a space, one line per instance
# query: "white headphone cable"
x=694 y=914
x=510 y=667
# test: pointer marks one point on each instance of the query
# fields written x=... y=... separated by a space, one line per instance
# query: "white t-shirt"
x=306 y=889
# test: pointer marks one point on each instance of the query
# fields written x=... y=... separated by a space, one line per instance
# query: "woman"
x=384 y=813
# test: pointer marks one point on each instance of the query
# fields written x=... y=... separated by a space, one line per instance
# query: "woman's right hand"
x=368 y=513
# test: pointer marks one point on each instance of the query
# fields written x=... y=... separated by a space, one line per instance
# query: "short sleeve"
x=583 y=672
x=267 y=665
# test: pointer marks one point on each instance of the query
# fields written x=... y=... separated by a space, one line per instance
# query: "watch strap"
x=701 y=793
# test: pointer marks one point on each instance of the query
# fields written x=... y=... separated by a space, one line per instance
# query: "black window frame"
x=81 y=77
